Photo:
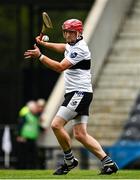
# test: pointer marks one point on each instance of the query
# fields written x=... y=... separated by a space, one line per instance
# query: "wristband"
x=41 y=57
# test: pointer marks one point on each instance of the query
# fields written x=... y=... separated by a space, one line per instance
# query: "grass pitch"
x=74 y=174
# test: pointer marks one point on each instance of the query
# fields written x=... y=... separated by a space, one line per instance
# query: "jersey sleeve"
x=76 y=55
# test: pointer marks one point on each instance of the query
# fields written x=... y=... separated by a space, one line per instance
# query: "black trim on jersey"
x=84 y=64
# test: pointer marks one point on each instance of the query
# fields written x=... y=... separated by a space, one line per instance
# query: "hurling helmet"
x=73 y=25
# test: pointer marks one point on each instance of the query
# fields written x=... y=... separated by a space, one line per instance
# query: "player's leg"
x=64 y=140
x=80 y=133
x=62 y=136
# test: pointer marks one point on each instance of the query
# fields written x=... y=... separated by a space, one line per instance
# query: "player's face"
x=70 y=36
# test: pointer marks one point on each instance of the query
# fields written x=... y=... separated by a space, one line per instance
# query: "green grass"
x=75 y=174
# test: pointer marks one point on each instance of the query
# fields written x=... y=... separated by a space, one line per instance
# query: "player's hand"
x=40 y=41
x=35 y=53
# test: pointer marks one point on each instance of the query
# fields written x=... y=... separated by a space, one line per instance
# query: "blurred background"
x=112 y=31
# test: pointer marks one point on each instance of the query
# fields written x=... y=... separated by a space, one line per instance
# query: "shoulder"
x=81 y=45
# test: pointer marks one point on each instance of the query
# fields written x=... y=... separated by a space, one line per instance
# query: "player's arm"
x=55 y=65
x=58 y=47
x=52 y=64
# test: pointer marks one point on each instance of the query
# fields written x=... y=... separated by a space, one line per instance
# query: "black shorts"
x=78 y=101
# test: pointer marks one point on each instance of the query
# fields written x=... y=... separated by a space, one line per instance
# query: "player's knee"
x=79 y=136
x=54 y=126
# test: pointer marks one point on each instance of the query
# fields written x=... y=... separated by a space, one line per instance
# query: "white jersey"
x=78 y=77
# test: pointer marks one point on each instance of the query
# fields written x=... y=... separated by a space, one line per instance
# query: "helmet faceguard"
x=73 y=25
